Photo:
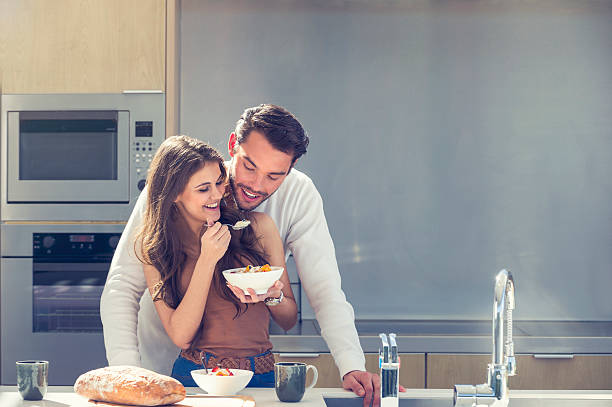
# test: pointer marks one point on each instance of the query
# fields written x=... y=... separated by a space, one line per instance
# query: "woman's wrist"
x=205 y=265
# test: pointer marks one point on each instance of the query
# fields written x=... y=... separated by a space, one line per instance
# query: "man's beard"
x=235 y=190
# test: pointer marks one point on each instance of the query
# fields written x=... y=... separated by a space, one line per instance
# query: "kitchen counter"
x=470 y=336
x=63 y=396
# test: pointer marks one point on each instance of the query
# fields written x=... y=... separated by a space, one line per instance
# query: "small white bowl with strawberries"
x=220 y=381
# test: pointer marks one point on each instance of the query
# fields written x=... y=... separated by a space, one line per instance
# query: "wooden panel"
x=583 y=372
x=328 y=372
x=172 y=71
x=412 y=371
x=77 y=46
x=444 y=371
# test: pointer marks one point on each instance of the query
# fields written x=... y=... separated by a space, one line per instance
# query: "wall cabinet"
x=582 y=372
x=411 y=371
x=75 y=46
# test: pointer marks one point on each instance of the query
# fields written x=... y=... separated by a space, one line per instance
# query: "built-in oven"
x=51 y=279
x=77 y=157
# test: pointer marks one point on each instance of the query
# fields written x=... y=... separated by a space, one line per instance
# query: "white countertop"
x=63 y=396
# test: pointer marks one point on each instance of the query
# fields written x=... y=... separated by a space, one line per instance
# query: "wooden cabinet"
x=76 y=46
x=582 y=372
x=444 y=370
x=324 y=362
x=412 y=370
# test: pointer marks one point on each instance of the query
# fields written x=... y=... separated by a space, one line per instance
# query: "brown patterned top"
x=223 y=335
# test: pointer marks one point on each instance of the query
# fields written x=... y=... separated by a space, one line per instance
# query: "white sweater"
x=133 y=332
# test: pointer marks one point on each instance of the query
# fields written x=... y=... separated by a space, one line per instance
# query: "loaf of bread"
x=129 y=385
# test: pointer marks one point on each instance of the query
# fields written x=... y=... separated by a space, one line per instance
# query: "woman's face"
x=199 y=201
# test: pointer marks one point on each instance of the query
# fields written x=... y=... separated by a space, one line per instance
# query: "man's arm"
x=313 y=250
x=124 y=286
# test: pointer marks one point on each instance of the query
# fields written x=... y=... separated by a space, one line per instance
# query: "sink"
x=404 y=402
x=447 y=402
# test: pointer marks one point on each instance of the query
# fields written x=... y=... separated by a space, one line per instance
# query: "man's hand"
x=363 y=384
x=366 y=385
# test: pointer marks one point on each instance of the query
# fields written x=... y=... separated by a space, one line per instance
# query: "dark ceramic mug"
x=32 y=378
x=290 y=380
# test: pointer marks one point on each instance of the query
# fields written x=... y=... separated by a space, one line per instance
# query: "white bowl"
x=222 y=385
x=260 y=282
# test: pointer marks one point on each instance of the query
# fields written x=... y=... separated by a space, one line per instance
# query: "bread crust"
x=129 y=385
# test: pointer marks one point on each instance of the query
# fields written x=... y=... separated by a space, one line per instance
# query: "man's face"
x=257 y=169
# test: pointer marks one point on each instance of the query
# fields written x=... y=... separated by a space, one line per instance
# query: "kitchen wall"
x=449 y=139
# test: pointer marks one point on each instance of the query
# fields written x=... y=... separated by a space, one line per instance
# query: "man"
x=267 y=142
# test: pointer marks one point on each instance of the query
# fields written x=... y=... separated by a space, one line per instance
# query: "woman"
x=185 y=248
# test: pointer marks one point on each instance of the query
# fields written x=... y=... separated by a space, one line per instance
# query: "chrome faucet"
x=388 y=361
x=495 y=391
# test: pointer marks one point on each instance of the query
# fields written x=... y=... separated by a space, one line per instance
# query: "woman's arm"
x=182 y=323
x=285 y=313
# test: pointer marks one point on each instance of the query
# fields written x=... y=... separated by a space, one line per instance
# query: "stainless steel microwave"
x=77 y=156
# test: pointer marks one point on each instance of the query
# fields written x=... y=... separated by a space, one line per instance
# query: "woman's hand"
x=214 y=242
x=274 y=292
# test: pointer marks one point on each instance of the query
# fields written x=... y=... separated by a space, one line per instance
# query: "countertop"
x=63 y=396
x=454 y=336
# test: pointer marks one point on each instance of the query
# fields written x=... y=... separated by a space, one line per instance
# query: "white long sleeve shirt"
x=134 y=334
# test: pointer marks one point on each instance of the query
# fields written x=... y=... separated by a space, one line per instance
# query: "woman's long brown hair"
x=176 y=160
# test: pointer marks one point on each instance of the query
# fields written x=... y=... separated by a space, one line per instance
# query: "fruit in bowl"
x=257 y=278
x=219 y=371
x=222 y=382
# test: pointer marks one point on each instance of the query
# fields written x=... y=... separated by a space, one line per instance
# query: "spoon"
x=203 y=364
x=241 y=224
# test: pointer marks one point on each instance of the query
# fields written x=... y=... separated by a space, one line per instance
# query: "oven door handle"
x=37 y=266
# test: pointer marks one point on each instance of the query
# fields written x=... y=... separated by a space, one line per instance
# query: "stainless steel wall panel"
x=449 y=140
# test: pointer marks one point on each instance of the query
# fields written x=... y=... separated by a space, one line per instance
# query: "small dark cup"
x=32 y=378
x=290 y=380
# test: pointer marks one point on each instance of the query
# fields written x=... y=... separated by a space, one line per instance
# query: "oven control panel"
x=74 y=244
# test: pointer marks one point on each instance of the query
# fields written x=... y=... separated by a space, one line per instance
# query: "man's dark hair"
x=278 y=125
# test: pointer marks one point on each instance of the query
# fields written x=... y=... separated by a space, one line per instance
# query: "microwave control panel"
x=144 y=147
